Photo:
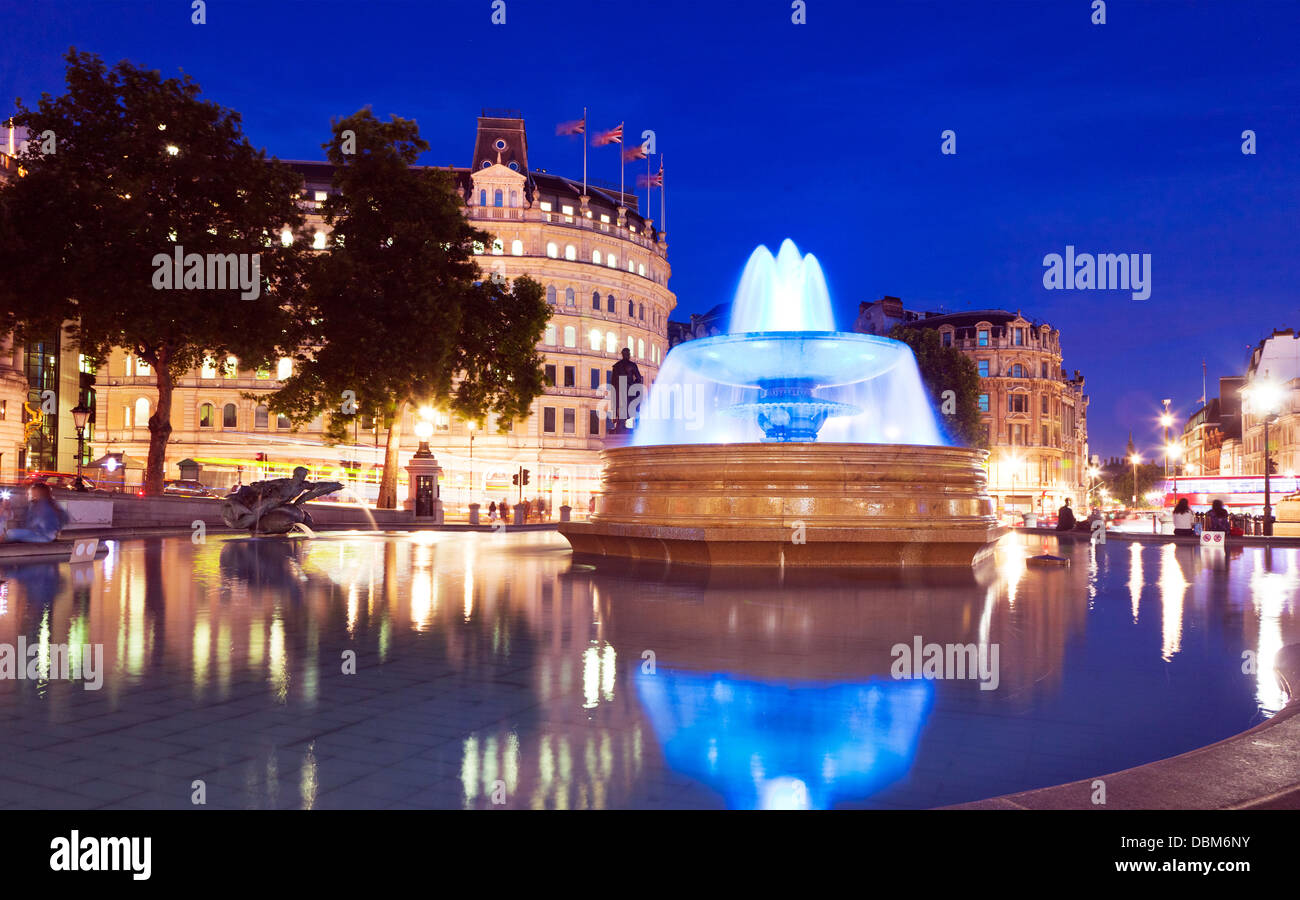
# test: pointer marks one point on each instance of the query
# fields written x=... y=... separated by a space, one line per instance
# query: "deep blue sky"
x=1123 y=137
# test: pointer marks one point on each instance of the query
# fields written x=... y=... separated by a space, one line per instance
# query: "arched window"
x=630 y=267
x=631 y=309
x=206 y=415
x=613 y=261
x=229 y=416
x=550 y=293
x=640 y=349
x=514 y=198
x=611 y=342
x=569 y=299
x=640 y=312
x=498 y=247
x=595 y=256
x=482 y=197
x=497 y=198
x=609 y=303
x=570 y=336
x=597 y=339
x=261 y=416
x=284 y=369
x=516 y=248
x=142 y=412
x=1017 y=371
x=595 y=299
x=570 y=251
x=640 y=269
x=550 y=335
x=552 y=250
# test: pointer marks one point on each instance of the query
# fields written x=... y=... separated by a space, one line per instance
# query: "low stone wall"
x=131 y=512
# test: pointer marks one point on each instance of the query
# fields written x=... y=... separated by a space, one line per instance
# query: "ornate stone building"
x=605 y=270
x=1034 y=413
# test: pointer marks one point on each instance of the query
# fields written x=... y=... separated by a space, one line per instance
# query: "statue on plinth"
x=626 y=374
x=276 y=505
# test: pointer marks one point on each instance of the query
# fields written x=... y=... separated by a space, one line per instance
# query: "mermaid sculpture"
x=274 y=506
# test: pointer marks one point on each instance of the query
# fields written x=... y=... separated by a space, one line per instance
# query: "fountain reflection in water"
x=783 y=373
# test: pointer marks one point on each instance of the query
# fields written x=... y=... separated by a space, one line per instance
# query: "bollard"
x=519 y=514
x=473 y=513
x=565 y=512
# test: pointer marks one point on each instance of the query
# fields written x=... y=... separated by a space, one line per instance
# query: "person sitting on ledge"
x=1065 y=518
x=1183 y=519
x=1218 y=518
x=42 y=522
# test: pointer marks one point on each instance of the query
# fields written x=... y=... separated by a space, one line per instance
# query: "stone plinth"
x=423 y=463
x=791 y=504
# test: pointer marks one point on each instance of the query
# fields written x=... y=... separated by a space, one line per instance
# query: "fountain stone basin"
x=791 y=504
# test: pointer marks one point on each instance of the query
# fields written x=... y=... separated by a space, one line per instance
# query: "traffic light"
x=525 y=472
x=514 y=479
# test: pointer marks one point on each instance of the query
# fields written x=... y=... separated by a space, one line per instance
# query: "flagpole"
x=663 y=211
x=647 y=186
x=584 y=151
x=622 y=167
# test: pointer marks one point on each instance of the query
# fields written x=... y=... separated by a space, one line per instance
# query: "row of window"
x=1017 y=370
x=607 y=259
x=568 y=421
x=283 y=369
x=634 y=310
x=602 y=340
x=987 y=337
x=137 y=416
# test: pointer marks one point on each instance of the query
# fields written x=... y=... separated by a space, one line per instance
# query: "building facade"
x=1275 y=362
x=1034 y=414
x=605 y=271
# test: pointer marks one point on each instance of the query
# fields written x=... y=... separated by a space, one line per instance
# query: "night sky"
x=1123 y=137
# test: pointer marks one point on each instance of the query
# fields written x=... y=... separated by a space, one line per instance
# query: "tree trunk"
x=388 y=483
x=160 y=427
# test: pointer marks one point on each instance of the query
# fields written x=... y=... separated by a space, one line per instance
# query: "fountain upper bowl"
x=820 y=358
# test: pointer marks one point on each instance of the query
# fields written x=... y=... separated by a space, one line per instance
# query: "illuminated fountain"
x=787 y=443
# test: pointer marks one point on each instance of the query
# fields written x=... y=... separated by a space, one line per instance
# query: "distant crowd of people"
x=1184 y=519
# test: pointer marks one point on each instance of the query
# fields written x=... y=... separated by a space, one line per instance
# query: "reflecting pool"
x=480 y=670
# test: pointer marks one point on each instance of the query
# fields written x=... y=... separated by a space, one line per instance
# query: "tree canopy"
x=126 y=174
x=398 y=310
x=947 y=369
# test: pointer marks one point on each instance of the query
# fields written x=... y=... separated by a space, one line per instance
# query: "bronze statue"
x=626 y=374
x=274 y=506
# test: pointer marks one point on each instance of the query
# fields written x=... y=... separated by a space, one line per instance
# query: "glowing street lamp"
x=424 y=431
x=1265 y=398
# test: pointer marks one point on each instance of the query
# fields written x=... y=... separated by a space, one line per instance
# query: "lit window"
x=570 y=252
x=640 y=349
x=552 y=250
x=611 y=342
x=595 y=256
x=286 y=237
x=605 y=219
x=498 y=247
x=206 y=415
x=284 y=369
x=142 y=412
x=596 y=338
x=546 y=206
x=321 y=196
x=570 y=336
x=478 y=247
x=567 y=210
x=550 y=335
x=613 y=261
x=209 y=369
x=640 y=269
x=318 y=240
x=630 y=267
x=232 y=366
x=516 y=248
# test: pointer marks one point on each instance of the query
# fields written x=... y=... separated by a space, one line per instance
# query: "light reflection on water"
x=490 y=671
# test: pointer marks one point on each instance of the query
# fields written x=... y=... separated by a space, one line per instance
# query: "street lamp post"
x=80 y=416
x=1265 y=398
x=1166 y=420
x=471 y=462
x=1135 y=459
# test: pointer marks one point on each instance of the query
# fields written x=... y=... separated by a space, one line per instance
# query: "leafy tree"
x=125 y=167
x=398 y=313
x=947 y=369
